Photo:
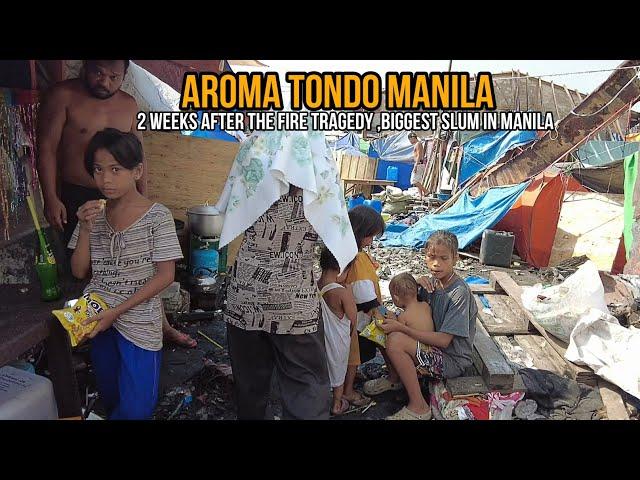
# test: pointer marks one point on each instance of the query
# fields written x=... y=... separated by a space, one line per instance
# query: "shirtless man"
x=73 y=111
x=417 y=173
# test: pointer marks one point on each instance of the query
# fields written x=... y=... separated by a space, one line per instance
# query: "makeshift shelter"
x=533 y=218
x=467 y=218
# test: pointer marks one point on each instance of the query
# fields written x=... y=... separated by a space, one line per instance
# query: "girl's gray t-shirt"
x=454 y=311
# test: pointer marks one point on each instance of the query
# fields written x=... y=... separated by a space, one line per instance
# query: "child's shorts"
x=429 y=361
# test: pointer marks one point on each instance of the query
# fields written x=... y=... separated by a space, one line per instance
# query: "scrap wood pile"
x=514 y=352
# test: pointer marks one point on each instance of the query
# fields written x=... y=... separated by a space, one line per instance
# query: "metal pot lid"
x=203 y=210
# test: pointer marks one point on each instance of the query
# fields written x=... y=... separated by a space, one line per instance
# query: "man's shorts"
x=417 y=173
x=429 y=361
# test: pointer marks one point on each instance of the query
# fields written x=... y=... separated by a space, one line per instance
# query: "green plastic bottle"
x=48 y=276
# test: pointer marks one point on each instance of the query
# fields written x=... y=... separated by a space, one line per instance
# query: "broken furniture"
x=358 y=174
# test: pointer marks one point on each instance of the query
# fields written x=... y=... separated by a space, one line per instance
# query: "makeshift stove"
x=207 y=270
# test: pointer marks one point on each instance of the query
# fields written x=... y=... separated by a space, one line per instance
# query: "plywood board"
x=184 y=171
x=590 y=224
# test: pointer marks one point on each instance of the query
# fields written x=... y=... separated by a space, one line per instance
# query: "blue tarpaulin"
x=350 y=140
x=393 y=148
x=467 y=218
x=484 y=150
x=216 y=134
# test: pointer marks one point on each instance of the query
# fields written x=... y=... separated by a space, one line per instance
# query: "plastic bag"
x=563 y=305
x=87 y=306
x=373 y=331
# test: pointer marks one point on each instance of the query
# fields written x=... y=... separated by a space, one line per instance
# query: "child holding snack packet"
x=129 y=249
x=415 y=314
x=366 y=223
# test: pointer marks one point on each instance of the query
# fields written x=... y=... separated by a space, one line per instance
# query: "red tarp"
x=534 y=217
x=172 y=72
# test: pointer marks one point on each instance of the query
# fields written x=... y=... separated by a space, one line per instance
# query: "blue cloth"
x=467 y=218
x=485 y=150
x=127 y=376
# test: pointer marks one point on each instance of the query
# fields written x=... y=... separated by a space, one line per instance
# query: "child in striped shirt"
x=128 y=248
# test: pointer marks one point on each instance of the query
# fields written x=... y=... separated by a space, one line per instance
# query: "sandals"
x=405 y=414
x=344 y=408
x=359 y=401
x=381 y=385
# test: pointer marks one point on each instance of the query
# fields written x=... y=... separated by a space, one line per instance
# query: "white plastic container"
x=26 y=396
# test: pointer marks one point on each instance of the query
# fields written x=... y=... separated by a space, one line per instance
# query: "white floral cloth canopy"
x=266 y=165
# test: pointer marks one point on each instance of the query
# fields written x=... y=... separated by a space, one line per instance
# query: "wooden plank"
x=353 y=167
x=499 y=325
x=505 y=319
x=345 y=166
x=613 y=402
x=543 y=355
x=482 y=289
x=513 y=352
x=466 y=385
x=489 y=361
x=362 y=167
x=512 y=289
x=474 y=385
x=372 y=167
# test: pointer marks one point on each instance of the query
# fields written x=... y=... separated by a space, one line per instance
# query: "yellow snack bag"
x=87 y=306
x=373 y=331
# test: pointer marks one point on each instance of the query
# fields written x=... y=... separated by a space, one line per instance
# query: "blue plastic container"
x=375 y=204
x=355 y=201
x=392 y=174
x=204 y=262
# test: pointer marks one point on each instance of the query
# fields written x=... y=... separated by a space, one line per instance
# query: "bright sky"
x=563 y=71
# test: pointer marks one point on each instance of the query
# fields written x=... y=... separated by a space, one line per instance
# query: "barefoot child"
x=446 y=352
x=128 y=247
x=339 y=319
x=404 y=292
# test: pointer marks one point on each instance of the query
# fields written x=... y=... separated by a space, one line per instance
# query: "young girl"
x=366 y=224
x=446 y=352
x=129 y=247
x=339 y=318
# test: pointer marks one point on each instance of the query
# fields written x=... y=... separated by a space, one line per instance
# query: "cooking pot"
x=205 y=221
